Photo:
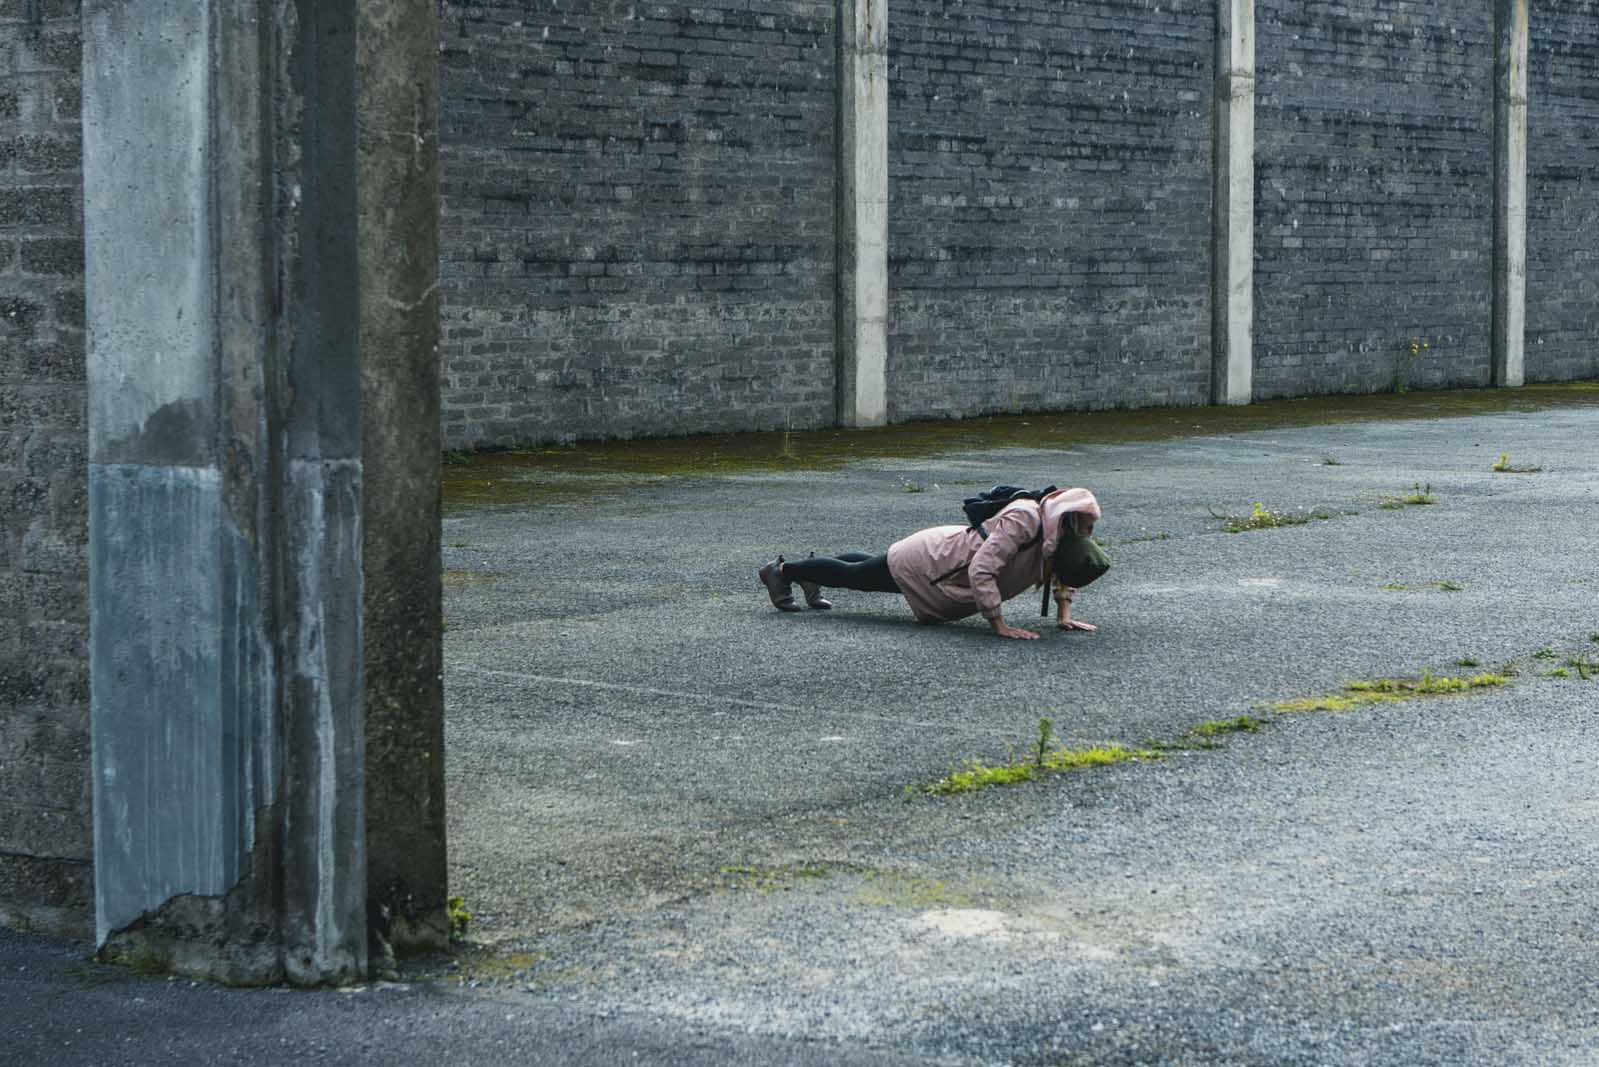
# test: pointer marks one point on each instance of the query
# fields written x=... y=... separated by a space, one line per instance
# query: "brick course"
x=1373 y=195
x=638 y=218
x=45 y=839
x=1562 y=191
x=1050 y=204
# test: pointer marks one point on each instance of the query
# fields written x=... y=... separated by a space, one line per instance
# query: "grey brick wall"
x=1050 y=185
x=1373 y=194
x=45 y=879
x=1563 y=190
x=638 y=217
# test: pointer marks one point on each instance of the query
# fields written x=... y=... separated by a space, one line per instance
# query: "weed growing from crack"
x=1585 y=667
x=1502 y=465
x=1447 y=586
x=1558 y=672
x=1467 y=661
x=1419 y=496
x=460 y=918
x=1261 y=517
x=1331 y=461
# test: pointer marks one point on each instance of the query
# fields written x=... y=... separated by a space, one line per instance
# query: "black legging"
x=847 y=570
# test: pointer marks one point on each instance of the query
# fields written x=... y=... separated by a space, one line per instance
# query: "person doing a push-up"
x=951 y=572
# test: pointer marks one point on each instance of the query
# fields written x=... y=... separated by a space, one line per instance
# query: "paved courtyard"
x=695 y=829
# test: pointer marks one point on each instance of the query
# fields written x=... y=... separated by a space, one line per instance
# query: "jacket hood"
x=1056 y=506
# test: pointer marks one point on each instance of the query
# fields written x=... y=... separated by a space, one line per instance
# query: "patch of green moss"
x=540 y=475
x=1389 y=690
x=977 y=776
x=1217 y=727
x=892 y=889
x=764 y=879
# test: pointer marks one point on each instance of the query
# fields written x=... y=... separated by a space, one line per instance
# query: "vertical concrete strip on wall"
x=407 y=875
x=1510 y=193
x=225 y=485
x=863 y=213
x=1233 y=296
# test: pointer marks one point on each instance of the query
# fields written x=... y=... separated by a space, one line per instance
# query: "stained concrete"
x=225 y=504
x=402 y=621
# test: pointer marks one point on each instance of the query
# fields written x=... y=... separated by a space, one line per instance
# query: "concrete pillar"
x=1510 y=193
x=863 y=213
x=226 y=485
x=403 y=623
x=1233 y=281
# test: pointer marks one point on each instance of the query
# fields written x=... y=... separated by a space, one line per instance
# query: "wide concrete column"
x=863 y=213
x=226 y=485
x=1233 y=281
x=407 y=875
x=1510 y=193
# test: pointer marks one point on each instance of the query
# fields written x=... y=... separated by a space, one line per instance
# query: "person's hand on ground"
x=1004 y=630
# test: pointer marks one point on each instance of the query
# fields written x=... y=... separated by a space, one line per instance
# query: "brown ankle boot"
x=813 y=594
x=778 y=587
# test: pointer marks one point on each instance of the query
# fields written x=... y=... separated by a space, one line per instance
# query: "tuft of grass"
x=1394 y=587
x=1558 y=672
x=1502 y=465
x=1545 y=653
x=1585 y=667
x=978 y=776
x=909 y=486
x=460 y=918
x=1388 y=691
x=1447 y=586
x=1331 y=461
x=1419 y=496
x=1467 y=661
x=1261 y=517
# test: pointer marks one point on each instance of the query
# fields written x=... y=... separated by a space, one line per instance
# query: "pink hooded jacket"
x=950 y=572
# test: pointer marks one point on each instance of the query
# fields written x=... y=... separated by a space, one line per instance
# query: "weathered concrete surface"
x=863 y=213
x=402 y=626
x=225 y=487
x=1510 y=193
x=688 y=810
x=1232 y=298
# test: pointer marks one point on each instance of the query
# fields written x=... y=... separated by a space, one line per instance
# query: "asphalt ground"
x=692 y=829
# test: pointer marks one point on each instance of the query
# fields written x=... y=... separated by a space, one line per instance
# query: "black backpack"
x=985 y=506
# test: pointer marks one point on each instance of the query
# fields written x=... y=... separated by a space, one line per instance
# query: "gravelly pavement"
x=681 y=818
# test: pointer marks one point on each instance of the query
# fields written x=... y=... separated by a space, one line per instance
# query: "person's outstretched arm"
x=1064 y=595
x=1007 y=532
